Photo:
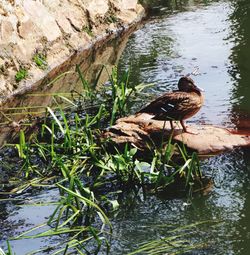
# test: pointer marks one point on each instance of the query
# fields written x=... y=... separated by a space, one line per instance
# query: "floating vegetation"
x=92 y=174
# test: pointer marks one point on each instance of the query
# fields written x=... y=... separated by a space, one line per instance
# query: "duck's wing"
x=166 y=103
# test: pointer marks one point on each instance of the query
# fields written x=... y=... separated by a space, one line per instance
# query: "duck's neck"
x=197 y=92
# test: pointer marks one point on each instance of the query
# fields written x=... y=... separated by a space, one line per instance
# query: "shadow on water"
x=240 y=113
x=240 y=68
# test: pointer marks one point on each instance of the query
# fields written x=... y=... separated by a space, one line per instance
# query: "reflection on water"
x=24 y=213
x=226 y=204
x=34 y=100
x=240 y=59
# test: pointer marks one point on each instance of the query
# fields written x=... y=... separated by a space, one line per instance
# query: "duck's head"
x=186 y=84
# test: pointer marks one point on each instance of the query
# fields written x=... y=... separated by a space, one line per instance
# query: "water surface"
x=180 y=36
x=213 y=36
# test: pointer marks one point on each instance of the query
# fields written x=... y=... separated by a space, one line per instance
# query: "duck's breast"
x=191 y=105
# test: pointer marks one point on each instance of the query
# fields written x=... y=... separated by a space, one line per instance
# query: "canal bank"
x=41 y=39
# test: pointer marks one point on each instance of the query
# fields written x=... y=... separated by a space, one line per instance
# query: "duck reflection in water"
x=178 y=105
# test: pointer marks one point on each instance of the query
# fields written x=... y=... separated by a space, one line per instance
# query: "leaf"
x=89 y=202
x=56 y=120
x=115 y=204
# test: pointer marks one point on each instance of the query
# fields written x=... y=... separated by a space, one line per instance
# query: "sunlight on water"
x=164 y=50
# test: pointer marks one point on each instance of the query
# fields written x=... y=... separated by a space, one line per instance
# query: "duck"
x=177 y=105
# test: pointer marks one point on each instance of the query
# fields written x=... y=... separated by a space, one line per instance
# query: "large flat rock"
x=205 y=139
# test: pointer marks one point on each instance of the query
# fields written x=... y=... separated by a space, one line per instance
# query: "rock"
x=2 y=83
x=3 y=11
x=124 y=4
x=7 y=30
x=69 y=16
x=64 y=24
x=96 y=9
x=57 y=28
x=53 y=5
x=2 y=63
x=27 y=29
x=76 y=18
x=79 y=40
x=56 y=53
x=212 y=140
x=127 y=16
x=5 y=8
x=141 y=130
x=24 y=50
x=42 y=19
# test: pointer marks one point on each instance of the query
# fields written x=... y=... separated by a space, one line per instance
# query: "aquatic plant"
x=178 y=241
x=91 y=172
x=9 y=251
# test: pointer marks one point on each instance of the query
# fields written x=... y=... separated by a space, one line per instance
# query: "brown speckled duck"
x=177 y=105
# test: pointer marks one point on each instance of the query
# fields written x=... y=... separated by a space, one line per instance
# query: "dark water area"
x=178 y=37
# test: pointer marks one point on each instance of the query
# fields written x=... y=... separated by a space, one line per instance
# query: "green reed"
x=90 y=172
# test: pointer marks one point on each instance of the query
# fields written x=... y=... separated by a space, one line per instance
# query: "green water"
x=179 y=36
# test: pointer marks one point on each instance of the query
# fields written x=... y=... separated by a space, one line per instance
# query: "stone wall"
x=39 y=35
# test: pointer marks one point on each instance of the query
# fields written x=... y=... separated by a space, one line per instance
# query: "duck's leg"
x=185 y=129
x=172 y=125
x=183 y=126
x=162 y=134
